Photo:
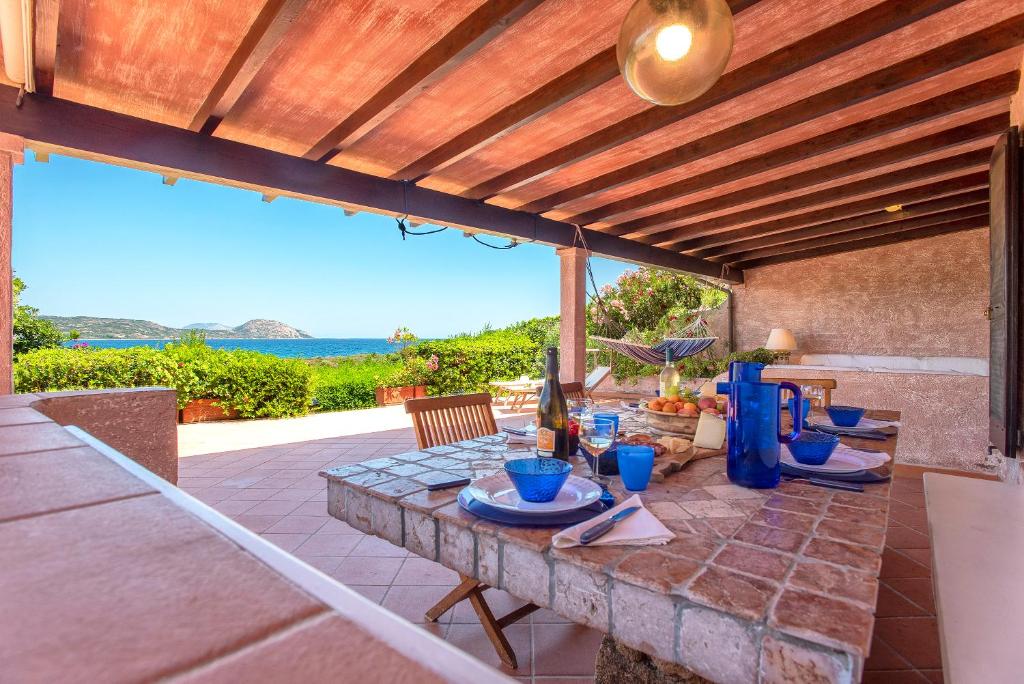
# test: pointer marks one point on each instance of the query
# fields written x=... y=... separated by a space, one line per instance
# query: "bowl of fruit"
x=679 y=413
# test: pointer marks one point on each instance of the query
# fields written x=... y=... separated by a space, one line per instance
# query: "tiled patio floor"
x=276 y=492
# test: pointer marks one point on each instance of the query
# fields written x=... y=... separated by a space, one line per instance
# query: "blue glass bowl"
x=813 y=448
x=538 y=479
x=845 y=416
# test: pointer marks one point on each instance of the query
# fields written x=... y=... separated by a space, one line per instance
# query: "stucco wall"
x=921 y=298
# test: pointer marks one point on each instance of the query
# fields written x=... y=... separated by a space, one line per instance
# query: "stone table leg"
x=620 y=664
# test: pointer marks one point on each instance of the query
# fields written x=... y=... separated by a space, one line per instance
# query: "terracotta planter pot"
x=388 y=396
x=203 y=411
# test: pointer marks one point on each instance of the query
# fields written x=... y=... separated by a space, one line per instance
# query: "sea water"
x=288 y=348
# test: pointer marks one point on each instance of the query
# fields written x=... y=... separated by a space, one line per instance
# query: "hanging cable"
x=403 y=228
x=510 y=245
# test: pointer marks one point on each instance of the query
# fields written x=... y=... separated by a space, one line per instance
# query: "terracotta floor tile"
x=918 y=590
x=213 y=495
x=299 y=495
x=328 y=545
x=898 y=565
x=17 y=439
x=378 y=548
x=232 y=507
x=894 y=677
x=274 y=507
x=914 y=638
x=420 y=571
x=472 y=640
x=922 y=556
x=548 y=617
x=412 y=602
x=501 y=603
x=335 y=526
x=910 y=498
x=567 y=649
x=907 y=484
x=286 y=541
x=892 y=604
x=884 y=657
x=312 y=508
x=253 y=494
x=902 y=537
x=934 y=676
x=257 y=523
x=306 y=524
x=324 y=564
x=374 y=592
x=379 y=571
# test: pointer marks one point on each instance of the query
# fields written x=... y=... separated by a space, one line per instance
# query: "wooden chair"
x=444 y=420
x=826 y=384
x=573 y=391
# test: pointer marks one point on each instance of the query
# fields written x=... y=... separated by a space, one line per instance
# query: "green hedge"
x=350 y=383
x=256 y=385
x=467 y=364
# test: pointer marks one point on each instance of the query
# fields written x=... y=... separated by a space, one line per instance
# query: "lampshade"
x=780 y=339
x=672 y=51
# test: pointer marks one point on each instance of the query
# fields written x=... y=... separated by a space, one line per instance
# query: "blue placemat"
x=491 y=513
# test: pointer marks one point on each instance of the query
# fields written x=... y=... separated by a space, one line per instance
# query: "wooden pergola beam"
x=47 y=14
x=579 y=80
x=264 y=34
x=824 y=44
x=79 y=130
x=875 y=218
x=867 y=243
x=803 y=241
x=721 y=230
x=440 y=59
x=804 y=110
x=985 y=129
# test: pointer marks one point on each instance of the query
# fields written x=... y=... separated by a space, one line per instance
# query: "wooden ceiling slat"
x=599 y=69
x=81 y=130
x=830 y=101
x=682 y=238
x=579 y=80
x=867 y=243
x=979 y=130
x=469 y=36
x=812 y=239
x=829 y=42
x=252 y=52
x=47 y=14
x=715 y=236
x=875 y=218
x=948 y=103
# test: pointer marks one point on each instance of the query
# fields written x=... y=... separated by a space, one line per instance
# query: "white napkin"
x=639 y=529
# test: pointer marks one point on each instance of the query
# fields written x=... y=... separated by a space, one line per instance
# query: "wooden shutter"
x=1006 y=231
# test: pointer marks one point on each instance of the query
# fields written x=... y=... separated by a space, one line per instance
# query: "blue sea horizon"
x=306 y=348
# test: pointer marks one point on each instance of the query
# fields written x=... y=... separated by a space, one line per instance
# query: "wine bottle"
x=552 y=415
x=668 y=381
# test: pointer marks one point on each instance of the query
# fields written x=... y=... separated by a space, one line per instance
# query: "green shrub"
x=543 y=332
x=256 y=385
x=467 y=364
x=351 y=383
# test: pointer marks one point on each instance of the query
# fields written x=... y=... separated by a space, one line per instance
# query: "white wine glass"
x=597 y=436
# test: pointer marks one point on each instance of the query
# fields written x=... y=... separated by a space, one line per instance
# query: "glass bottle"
x=668 y=381
x=552 y=414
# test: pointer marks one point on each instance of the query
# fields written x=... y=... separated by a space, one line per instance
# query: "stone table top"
x=758 y=585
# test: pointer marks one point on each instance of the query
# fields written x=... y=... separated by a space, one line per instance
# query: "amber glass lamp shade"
x=672 y=51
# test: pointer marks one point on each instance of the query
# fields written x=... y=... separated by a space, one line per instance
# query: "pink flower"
x=433 y=363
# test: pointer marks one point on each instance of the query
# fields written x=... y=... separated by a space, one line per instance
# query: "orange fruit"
x=690 y=406
x=669 y=407
x=655 y=405
x=674 y=398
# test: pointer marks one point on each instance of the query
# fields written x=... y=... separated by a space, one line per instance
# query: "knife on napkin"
x=603 y=528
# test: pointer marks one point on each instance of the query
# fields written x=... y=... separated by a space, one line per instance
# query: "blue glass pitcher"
x=753 y=431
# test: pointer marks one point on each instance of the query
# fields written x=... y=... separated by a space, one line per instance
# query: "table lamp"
x=782 y=342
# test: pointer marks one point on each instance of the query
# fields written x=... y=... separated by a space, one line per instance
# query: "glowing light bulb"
x=673 y=42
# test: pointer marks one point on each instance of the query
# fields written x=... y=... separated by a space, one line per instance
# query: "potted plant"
x=408 y=382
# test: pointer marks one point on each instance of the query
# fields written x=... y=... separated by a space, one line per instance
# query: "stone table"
x=758 y=585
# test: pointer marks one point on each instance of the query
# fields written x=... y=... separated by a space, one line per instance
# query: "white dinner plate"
x=843 y=460
x=863 y=424
x=497 y=490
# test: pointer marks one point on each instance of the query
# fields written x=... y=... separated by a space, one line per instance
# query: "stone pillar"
x=573 y=266
x=11 y=151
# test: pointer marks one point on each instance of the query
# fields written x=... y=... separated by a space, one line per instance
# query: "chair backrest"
x=596 y=377
x=445 y=420
x=826 y=384
x=573 y=391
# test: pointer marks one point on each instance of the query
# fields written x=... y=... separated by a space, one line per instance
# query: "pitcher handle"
x=798 y=411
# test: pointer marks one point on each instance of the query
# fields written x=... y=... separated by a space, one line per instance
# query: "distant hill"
x=93 y=328
x=207 y=326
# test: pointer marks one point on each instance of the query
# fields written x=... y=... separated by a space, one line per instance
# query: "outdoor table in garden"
x=769 y=585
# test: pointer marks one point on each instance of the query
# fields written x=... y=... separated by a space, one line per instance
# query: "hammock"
x=678 y=347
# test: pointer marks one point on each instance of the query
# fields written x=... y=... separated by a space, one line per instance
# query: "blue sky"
x=100 y=240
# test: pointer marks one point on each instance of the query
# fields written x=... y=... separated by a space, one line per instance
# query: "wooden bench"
x=977 y=532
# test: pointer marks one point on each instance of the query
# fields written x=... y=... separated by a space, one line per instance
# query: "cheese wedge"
x=675 y=445
x=710 y=432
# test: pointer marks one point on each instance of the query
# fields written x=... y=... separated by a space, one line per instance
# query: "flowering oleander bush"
x=468 y=363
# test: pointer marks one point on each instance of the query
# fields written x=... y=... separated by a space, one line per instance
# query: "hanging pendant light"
x=672 y=51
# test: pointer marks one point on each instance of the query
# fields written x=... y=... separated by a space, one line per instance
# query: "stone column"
x=573 y=266
x=11 y=152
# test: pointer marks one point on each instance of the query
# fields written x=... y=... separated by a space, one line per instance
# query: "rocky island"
x=93 y=328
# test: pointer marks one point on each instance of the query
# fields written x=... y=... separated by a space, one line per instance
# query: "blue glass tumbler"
x=635 y=465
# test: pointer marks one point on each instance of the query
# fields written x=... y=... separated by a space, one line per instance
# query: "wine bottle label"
x=545 y=440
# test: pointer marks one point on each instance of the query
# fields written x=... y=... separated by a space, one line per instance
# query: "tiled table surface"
x=769 y=585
